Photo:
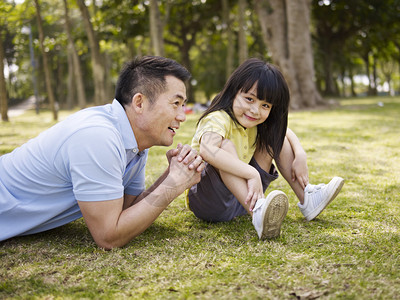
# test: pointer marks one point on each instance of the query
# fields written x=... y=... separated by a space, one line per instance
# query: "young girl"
x=238 y=136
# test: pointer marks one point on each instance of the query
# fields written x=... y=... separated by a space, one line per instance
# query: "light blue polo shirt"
x=90 y=156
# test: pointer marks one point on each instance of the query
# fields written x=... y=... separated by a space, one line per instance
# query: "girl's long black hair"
x=272 y=87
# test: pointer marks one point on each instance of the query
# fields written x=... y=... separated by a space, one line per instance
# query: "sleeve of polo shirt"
x=217 y=122
x=95 y=158
x=136 y=184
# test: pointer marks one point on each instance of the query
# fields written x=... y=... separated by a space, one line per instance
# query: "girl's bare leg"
x=264 y=160
x=237 y=185
x=285 y=168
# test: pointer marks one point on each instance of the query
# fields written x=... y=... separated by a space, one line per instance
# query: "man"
x=92 y=164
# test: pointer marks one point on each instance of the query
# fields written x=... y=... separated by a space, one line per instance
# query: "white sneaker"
x=268 y=214
x=317 y=197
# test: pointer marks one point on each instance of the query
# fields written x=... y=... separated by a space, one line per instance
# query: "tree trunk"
x=156 y=29
x=243 y=51
x=374 y=77
x=60 y=87
x=3 y=89
x=286 y=33
x=352 y=85
x=75 y=66
x=187 y=64
x=365 y=57
x=71 y=90
x=229 y=36
x=96 y=58
x=329 y=80
x=47 y=75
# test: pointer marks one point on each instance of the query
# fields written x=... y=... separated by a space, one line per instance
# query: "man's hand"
x=187 y=156
x=185 y=167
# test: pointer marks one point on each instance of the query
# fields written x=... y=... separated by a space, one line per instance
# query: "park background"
x=68 y=53
x=341 y=59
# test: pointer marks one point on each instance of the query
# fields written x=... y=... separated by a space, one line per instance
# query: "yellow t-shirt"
x=220 y=122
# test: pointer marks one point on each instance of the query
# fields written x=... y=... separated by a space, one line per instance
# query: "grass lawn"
x=350 y=251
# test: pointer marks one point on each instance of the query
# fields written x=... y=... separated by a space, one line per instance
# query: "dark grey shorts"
x=210 y=199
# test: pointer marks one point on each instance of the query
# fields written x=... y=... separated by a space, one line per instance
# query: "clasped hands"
x=185 y=166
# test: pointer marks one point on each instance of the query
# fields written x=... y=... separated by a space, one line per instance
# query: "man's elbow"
x=108 y=243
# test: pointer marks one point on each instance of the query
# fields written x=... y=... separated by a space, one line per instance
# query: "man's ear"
x=138 y=102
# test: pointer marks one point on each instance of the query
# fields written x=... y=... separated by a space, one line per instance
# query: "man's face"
x=163 y=117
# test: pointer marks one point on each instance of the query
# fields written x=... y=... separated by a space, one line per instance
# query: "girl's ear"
x=138 y=102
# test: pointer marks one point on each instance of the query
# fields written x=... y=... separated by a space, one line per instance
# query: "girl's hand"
x=255 y=191
x=300 y=171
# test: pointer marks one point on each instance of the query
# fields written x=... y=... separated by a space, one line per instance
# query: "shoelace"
x=315 y=188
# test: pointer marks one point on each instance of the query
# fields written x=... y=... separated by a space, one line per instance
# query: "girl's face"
x=250 y=111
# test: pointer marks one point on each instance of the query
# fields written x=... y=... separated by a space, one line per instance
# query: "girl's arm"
x=299 y=166
x=221 y=159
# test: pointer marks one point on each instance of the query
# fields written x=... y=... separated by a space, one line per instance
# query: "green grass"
x=351 y=251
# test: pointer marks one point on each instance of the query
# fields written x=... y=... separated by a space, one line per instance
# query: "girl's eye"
x=267 y=106
x=249 y=99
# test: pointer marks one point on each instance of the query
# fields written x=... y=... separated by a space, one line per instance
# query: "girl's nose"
x=254 y=109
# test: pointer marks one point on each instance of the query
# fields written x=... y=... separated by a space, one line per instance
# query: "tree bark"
x=70 y=81
x=75 y=66
x=156 y=29
x=243 y=51
x=229 y=36
x=96 y=57
x=47 y=74
x=3 y=89
x=286 y=33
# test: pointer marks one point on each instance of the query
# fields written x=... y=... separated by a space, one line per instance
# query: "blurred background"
x=68 y=53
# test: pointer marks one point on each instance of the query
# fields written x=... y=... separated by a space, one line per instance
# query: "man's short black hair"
x=146 y=75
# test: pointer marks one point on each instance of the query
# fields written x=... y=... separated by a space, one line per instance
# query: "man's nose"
x=181 y=117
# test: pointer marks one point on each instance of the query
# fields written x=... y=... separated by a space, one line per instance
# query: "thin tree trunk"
x=156 y=29
x=60 y=87
x=71 y=90
x=96 y=58
x=374 y=76
x=47 y=75
x=229 y=36
x=352 y=85
x=243 y=51
x=76 y=65
x=3 y=89
x=185 y=57
x=367 y=72
x=329 y=80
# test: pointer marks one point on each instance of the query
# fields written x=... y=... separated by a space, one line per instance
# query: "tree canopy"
x=349 y=39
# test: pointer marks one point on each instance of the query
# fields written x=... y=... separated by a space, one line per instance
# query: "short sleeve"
x=95 y=157
x=134 y=179
x=217 y=122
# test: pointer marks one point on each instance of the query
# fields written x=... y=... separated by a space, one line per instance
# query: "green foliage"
x=350 y=251
x=346 y=34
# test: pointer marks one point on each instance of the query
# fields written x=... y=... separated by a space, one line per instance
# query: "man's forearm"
x=148 y=190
